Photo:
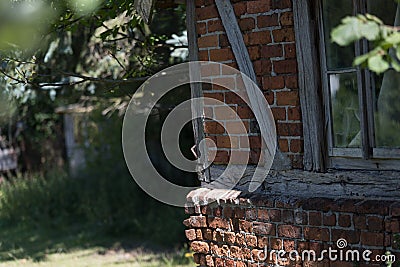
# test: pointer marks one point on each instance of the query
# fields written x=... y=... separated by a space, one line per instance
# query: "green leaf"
x=396 y=65
x=377 y=64
x=398 y=52
x=347 y=32
x=393 y=38
x=374 y=18
x=361 y=59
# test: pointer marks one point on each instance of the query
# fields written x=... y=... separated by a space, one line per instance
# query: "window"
x=361 y=111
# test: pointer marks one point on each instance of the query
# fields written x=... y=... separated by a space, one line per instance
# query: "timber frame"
x=319 y=153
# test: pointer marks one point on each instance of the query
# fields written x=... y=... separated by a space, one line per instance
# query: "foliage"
x=386 y=50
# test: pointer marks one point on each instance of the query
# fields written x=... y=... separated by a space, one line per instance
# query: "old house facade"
x=335 y=171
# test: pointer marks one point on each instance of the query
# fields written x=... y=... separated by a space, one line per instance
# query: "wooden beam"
x=196 y=89
x=315 y=148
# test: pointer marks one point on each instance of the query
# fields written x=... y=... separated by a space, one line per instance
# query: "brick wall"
x=233 y=232
x=268 y=32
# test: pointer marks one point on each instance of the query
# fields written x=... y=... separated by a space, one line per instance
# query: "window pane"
x=387 y=86
x=387 y=115
x=383 y=9
x=345 y=110
x=333 y=11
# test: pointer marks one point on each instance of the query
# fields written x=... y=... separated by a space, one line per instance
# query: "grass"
x=82 y=246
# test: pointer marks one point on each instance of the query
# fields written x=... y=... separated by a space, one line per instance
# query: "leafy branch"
x=386 y=41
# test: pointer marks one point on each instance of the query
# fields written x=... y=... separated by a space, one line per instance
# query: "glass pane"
x=387 y=86
x=387 y=115
x=383 y=9
x=333 y=11
x=345 y=110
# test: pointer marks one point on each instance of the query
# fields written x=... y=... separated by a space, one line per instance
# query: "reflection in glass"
x=387 y=115
x=333 y=11
x=383 y=9
x=345 y=110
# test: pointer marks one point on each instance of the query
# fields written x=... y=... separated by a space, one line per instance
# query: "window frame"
x=316 y=102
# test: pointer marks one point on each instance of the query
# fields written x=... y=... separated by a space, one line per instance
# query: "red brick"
x=251 y=240
x=289 y=129
x=223 y=41
x=236 y=127
x=291 y=82
x=281 y=4
x=240 y=157
x=230 y=237
x=329 y=219
x=219 y=262
x=372 y=239
x=200 y=247
x=245 y=112
x=360 y=221
x=207 y=234
x=273 y=82
x=271 y=51
x=225 y=113
x=240 y=8
x=209 y=261
x=245 y=226
x=239 y=213
x=289 y=231
x=314 y=233
x=233 y=98
x=201 y=28
x=206 y=12
x=263 y=66
x=287 y=98
x=240 y=239
x=227 y=142
x=213 y=127
x=221 y=157
x=296 y=146
x=279 y=113
x=314 y=217
x=352 y=237
x=254 y=7
x=203 y=55
x=199 y=3
x=190 y=234
x=395 y=210
x=285 y=66
x=267 y=21
x=290 y=50
x=283 y=145
x=375 y=223
x=195 y=221
x=219 y=223
x=344 y=220
x=256 y=38
x=287 y=216
x=263 y=228
x=286 y=19
x=220 y=55
x=283 y=35
x=215 y=26
x=247 y=24
x=229 y=263
x=294 y=114
x=254 y=52
x=226 y=83
x=209 y=70
x=269 y=96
